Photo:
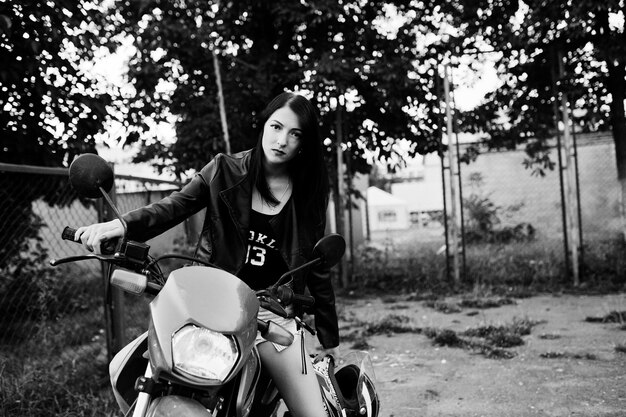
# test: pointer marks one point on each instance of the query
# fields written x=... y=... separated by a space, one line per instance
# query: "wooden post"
x=350 y=218
x=454 y=233
x=570 y=181
x=555 y=110
x=340 y=203
x=115 y=321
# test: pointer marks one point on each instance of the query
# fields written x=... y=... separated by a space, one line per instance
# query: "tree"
x=534 y=38
x=51 y=109
x=373 y=87
x=333 y=50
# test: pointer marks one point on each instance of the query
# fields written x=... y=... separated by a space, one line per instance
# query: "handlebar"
x=134 y=252
x=274 y=298
x=134 y=256
x=107 y=247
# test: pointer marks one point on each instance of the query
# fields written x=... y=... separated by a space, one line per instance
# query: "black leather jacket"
x=223 y=188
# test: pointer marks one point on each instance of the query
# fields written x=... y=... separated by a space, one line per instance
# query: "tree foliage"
x=334 y=51
x=547 y=48
x=51 y=109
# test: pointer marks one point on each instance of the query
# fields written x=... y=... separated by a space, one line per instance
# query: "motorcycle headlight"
x=204 y=353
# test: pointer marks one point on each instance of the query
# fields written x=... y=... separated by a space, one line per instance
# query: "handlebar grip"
x=107 y=247
x=287 y=295
x=68 y=233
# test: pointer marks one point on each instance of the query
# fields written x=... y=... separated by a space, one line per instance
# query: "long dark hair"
x=307 y=170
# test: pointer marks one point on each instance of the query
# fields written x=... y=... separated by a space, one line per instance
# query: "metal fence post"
x=113 y=297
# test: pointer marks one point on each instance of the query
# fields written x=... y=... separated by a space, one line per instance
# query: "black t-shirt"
x=264 y=264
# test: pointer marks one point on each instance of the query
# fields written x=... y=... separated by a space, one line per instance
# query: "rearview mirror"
x=89 y=173
x=327 y=252
x=330 y=249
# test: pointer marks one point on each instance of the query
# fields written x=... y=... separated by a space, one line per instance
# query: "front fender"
x=176 y=406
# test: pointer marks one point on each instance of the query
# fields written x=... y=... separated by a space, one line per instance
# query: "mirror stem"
x=293 y=271
x=115 y=210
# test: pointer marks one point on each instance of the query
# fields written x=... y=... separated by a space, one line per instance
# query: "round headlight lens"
x=204 y=353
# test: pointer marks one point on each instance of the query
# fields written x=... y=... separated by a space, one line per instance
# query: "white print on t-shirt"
x=260 y=238
x=256 y=254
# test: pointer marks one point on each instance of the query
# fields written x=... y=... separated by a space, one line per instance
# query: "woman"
x=266 y=208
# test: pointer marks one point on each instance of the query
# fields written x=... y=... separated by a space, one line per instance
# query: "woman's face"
x=281 y=136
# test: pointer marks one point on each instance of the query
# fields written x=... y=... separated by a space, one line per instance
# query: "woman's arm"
x=156 y=218
x=152 y=220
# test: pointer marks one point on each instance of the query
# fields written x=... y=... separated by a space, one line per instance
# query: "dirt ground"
x=580 y=373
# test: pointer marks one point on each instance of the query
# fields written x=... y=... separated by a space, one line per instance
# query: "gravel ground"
x=567 y=366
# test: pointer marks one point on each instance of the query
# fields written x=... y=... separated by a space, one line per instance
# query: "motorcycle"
x=198 y=356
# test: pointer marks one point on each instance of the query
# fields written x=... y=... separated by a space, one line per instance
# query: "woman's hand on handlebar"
x=92 y=236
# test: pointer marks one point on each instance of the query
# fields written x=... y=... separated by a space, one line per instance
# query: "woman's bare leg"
x=301 y=392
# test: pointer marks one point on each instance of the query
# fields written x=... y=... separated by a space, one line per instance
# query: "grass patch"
x=549 y=336
x=612 y=317
x=504 y=335
x=447 y=337
x=408 y=262
x=357 y=331
x=443 y=306
x=392 y=323
x=485 y=303
x=60 y=370
x=399 y=307
x=74 y=383
x=568 y=355
x=452 y=307
x=490 y=341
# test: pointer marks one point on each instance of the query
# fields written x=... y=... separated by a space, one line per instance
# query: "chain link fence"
x=50 y=317
x=55 y=316
x=514 y=223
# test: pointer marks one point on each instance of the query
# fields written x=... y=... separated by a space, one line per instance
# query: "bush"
x=50 y=385
x=515 y=264
x=395 y=268
x=412 y=266
x=33 y=293
x=604 y=264
x=483 y=223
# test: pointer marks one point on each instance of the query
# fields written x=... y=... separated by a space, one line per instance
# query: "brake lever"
x=55 y=262
x=269 y=302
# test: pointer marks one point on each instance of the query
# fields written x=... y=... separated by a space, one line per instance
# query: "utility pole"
x=340 y=206
x=454 y=228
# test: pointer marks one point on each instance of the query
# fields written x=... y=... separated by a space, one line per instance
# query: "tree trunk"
x=220 y=101
x=616 y=86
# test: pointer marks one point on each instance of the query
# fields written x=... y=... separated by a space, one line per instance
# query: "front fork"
x=143 y=398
